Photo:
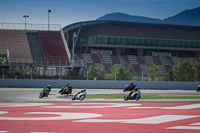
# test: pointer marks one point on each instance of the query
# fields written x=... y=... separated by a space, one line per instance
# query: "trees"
x=196 y=67
x=118 y=72
x=153 y=72
x=99 y=73
x=185 y=71
x=2 y=61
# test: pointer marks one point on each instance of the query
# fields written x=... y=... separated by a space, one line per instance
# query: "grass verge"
x=153 y=96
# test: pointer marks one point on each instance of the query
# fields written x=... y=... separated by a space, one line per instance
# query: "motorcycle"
x=44 y=93
x=133 y=95
x=79 y=96
x=65 y=90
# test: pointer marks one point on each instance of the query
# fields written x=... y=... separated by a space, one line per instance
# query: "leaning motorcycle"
x=79 y=96
x=65 y=90
x=133 y=95
x=44 y=93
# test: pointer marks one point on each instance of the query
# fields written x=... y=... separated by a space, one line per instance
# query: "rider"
x=134 y=90
x=131 y=86
x=84 y=90
x=67 y=89
x=48 y=88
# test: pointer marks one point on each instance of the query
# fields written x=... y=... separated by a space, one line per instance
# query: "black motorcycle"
x=133 y=95
x=65 y=90
x=79 y=96
x=45 y=92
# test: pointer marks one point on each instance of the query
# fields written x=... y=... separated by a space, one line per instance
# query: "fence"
x=30 y=26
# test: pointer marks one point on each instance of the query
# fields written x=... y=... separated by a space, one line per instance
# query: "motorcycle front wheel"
x=41 y=95
x=73 y=97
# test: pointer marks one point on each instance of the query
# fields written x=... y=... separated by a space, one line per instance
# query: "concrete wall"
x=97 y=84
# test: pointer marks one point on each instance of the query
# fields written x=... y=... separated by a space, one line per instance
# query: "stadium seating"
x=137 y=64
x=170 y=60
x=115 y=59
x=15 y=43
x=137 y=68
x=157 y=60
x=167 y=68
x=95 y=58
x=35 y=48
x=88 y=58
x=140 y=60
x=53 y=47
x=132 y=59
x=149 y=60
x=125 y=59
x=175 y=60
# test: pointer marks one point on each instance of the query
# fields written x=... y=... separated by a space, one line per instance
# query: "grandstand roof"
x=105 y=33
x=95 y=22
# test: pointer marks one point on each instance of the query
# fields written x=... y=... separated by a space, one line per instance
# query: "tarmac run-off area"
x=99 y=117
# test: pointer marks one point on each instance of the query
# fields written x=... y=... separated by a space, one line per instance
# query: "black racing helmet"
x=131 y=83
x=136 y=88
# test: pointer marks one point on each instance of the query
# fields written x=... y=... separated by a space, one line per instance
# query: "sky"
x=65 y=12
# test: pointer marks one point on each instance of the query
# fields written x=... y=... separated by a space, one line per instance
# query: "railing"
x=30 y=26
x=36 y=61
x=65 y=44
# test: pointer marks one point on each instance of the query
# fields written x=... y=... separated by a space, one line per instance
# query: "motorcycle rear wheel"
x=82 y=97
x=125 y=98
x=137 y=98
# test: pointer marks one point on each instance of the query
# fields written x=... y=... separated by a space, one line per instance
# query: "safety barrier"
x=98 y=84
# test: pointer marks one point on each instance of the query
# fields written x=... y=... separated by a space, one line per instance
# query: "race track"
x=20 y=95
x=21 y=111
x=92 y=117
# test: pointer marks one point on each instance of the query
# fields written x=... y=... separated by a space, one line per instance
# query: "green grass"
x=153 y=96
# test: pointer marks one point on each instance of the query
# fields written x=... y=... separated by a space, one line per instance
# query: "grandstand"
x=136 y=45
x=39 y=49
x=101 y=43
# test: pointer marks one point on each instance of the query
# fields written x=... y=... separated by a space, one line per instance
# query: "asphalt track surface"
x=20 y=95
x=21 y=111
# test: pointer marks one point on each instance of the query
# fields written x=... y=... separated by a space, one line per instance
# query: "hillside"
x=125 y=17
x=187 y=17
